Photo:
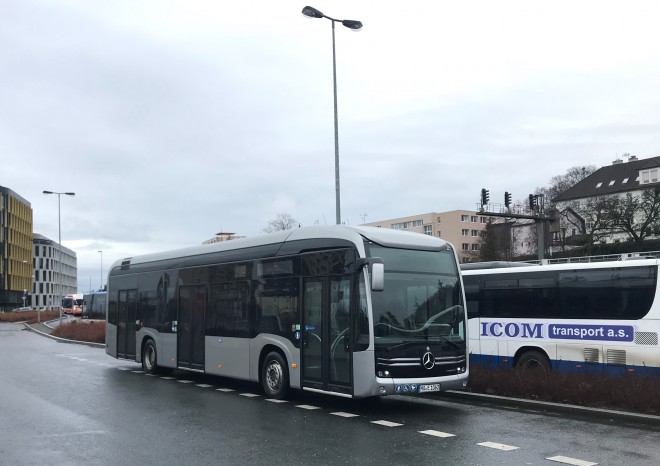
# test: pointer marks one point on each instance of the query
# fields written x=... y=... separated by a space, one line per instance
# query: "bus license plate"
x=434 y=387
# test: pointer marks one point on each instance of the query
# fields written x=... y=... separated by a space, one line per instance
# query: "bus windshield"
x=422 y=299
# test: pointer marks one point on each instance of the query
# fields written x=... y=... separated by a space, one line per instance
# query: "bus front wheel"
x=149 y=358
x=533 y=360
x=274 y=376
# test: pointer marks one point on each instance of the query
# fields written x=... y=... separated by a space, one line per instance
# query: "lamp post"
x=101 y=287
x=356 y=26
x=59 y=243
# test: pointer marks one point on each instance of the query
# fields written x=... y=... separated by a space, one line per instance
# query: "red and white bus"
x=73 y=304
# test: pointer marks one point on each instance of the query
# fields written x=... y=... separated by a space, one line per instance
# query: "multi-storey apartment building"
x=51 y=281
x=462 y=228
x=15 y=249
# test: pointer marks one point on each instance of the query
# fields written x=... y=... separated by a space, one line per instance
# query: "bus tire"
x=275 y=376
x=533 y=360
x=149 y=358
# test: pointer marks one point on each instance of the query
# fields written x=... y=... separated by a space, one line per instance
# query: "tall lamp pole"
x=59 y=243
x=356 y=26
x=101 y=287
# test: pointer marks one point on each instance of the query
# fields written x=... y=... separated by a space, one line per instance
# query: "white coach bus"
x=350 y=311
x=602 y=316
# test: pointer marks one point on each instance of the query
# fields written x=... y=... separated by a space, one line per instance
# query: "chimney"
x=617 y=162
x=632 y=158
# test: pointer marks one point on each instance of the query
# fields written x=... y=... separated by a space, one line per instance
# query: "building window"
x=483 y=220
x=439 y=234
x=465 y=218
x=649 y=176
x=465 y=232
x=475 y=247
x=475 y=233
x=438 y=219
x=474 y=219
x=428 y=230
x=465 y=247
x=406 y=225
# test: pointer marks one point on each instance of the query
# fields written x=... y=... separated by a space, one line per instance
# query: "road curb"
x=608 y=414
x=62 y=340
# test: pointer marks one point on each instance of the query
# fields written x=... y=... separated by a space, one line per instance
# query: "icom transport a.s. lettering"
x=532 y=330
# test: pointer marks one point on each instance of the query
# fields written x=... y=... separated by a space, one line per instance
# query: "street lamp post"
x=59 y=243
x=101 y=287
x=356 y=26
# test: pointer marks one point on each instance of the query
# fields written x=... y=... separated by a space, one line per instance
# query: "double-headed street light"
x=59 y=243
x=356 y=26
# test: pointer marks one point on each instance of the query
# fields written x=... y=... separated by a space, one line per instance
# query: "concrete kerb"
x=608 y=414
x=61 y=340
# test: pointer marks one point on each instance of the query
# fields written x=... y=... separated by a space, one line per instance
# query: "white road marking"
x=224 y=390
x=168 y=378
x=436 y=433
x=185 y=381
x=386 y=423
x=273 y=400
x=204 y=385
x=573 y=461
x=137 y=372
x=123 y=368
x=249 y=395
x=497 y=446
x=307 y=407
x=150 y=375
x=343 y=414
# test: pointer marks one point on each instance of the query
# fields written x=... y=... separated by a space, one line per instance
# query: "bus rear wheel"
x=532 y=361
x=275 y=376
x=149 y=358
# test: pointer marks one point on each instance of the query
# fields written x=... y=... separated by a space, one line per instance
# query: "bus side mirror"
x=377 y=276
x=376 y=271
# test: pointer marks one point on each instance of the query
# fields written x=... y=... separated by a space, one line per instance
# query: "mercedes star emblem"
x=428 y=360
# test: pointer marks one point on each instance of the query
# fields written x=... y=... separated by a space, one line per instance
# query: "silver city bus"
x=350 y=311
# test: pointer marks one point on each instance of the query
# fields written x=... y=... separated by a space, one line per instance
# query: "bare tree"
x=560 y=183
x=281 y=222
x=637 y=216
x=594 y=220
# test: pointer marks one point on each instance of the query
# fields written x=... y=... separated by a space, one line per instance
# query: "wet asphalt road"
x=64 y=404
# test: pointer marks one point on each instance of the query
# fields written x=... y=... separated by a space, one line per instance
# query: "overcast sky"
x=173 y=121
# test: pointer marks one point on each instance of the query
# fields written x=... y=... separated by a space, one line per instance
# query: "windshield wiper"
x=402 y=345
x=452 y=343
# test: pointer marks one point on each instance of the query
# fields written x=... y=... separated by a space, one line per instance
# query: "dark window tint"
x=337 y=262
x=229 y=304
x=609 y=293
x=277 y=307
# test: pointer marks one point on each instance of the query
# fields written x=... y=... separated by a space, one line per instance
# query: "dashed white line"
x=184 y=381
x=573 y=461
x=386 y=423
x=498 y=446
x=137 y=372
x=168 y=378
x=249 y=395
x=310 y=407
x=224 y=390
x=436 y=433
x=273 y=400
x=343 y=414
x=203 y=385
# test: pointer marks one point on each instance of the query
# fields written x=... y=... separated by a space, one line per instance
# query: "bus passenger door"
x=326 y=355
x=190 y=341
x=126 y=317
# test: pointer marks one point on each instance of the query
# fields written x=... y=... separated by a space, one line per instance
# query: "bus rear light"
x=578 y=366
x=294 y=365
x=631 y=369
x=219 y=366
x=505 y=360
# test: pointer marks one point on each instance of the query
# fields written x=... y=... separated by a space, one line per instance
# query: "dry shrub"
x=30 y=317
x=630 y=392
x=92 y=331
